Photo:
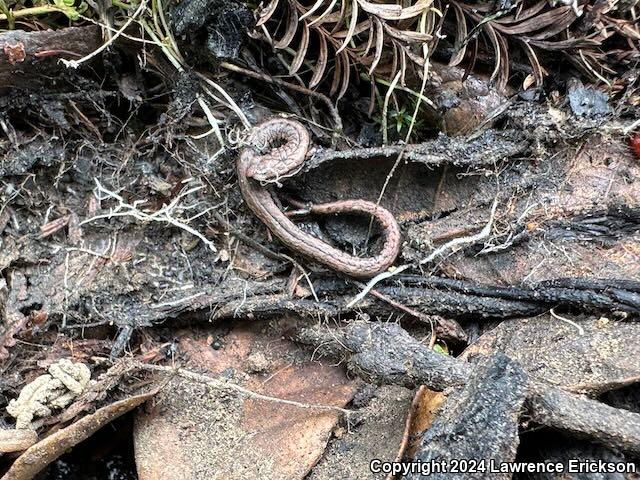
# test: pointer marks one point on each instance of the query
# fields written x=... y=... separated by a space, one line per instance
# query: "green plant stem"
x=416 y=94
x=10 y=18
x=119 y=4
x=41 y=10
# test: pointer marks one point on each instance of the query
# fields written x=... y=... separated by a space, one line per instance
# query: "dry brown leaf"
x=425 y=407
x=363 y=54
x=202 y=427
x=267 y=12
x=560 y=17
x=346 y=73
x=523 y=13
x=321 y=64
x=291 y=29
x=352 y=25
x=360 y=27
x=394 y=12
x=399 y=27
x=301 y=53
x=538 y=73
x=460 y=44
x=528 y=81
x=323 y=17
x=312 y=10
x=379 y=44
x=337 y=75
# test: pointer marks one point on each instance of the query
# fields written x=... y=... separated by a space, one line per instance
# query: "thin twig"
x=216 y=383
x=261 y=76
x=164 y=215
x=107 y=44
x=484 y=233
x=566 y=320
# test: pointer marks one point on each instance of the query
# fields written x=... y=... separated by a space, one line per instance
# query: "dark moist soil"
x=107 y=454
x=75 y=279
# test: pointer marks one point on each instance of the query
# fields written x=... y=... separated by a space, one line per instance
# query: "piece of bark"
x=480 y=421
x=601 y=293
x=387 y=354
x=436 y=295
x=23 y=54
x=478 y=150
x=583 y=219
x=585 y=354
x=612 y=427
x=384 y=353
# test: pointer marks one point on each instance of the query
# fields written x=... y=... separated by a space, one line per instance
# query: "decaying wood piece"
x=437 y=295
x=599 y=293
x=16 y=440
x=584 y=217
x=587 y=354
x=24 y=53
x=613 y=427
x=384 y=353
x=480 y=421
x=387 y=354
x=485 y=149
